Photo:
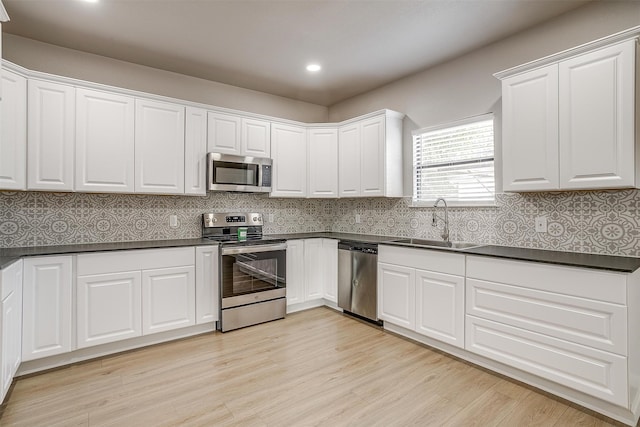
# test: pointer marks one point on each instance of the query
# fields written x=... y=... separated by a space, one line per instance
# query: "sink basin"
x=437 y=243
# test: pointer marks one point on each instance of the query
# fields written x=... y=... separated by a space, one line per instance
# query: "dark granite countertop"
x=9 y=255
x=601 y=262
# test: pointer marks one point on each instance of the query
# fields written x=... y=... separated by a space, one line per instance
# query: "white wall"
x=53 y=59
x=466 y=87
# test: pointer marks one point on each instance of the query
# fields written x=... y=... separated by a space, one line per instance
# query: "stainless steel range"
x=252 y=271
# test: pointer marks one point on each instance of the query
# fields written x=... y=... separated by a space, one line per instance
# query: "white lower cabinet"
x=207 y=290
x=47 y=306
x=295 y=272
x=422 y=291
x=312 y=271
x=396 y=294
x=127 y=294
x=108 y=308
x=168 y=299
x=11 y=321
x=564 y=324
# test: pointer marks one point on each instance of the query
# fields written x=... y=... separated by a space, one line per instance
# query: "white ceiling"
x=265 y=44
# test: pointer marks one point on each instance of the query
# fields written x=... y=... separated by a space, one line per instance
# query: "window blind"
x=455 y=161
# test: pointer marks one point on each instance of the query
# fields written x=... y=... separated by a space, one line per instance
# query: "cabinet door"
x=330 y=270
x=50 y=135
x=440 y=306
x=108 y=308
x=168 y=299
x=313 y=269
x=530 y=130
x=597 y=136
x=47 y=298
x=295 y=271
x=372 y=157
x=13 y=137
x=104 y=142
x=223 y=133
x=396 y=295
x=159 y=147
x=323 y=163
x=11 y=321
x=289 y=151
x=256 y=138
x=195 y=151
x=349 y=160
x=207 y=284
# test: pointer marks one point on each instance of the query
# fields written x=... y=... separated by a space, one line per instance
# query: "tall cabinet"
x=569 y=119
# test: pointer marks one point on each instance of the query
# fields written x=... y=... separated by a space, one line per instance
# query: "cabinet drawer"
x=580 y=282
x=143 y=259
x=594 y=372
x=424 y=259
x=594 y=323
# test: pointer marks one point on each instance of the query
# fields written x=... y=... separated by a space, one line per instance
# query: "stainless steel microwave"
x=237 y=173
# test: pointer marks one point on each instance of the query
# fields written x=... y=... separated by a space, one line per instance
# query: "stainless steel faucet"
x=434 y=222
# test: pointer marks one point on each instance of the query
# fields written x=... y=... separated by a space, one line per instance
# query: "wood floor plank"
x=316 y=367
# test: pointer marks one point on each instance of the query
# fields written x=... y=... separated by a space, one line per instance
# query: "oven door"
x=252 y=273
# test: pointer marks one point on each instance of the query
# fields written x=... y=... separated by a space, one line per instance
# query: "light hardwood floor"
x=316 y=367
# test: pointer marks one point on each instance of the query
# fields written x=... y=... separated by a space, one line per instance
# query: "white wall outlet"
x=270 y=217
x=541 y=224
x=173 y=221
x=357 y=218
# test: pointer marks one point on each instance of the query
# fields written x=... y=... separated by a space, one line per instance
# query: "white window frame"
x=466 y=203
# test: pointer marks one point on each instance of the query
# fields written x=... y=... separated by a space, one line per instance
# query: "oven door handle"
x=253 y=249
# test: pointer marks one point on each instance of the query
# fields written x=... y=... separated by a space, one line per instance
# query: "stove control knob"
x=215 y=219
x=256 y=218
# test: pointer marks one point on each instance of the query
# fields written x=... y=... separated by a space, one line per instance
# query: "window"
x=455 y=161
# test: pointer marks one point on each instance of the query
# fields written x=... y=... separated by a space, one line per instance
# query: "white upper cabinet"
x=104 y=142
x=597 y=95
x=289 y=151
x=50 y=134
x=323 y=162
x=530 y=130
x=349 y=172
x=370 y=156
x=223 y=133
x=256 y=138
x=13 y=139
x=240 y=136
x=568 y=120
x=159 y=137
x=195 y=151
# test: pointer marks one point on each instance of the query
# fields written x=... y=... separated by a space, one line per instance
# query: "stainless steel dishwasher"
x=357 y=279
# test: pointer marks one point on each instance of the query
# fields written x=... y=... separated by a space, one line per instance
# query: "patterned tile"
x=605 y=222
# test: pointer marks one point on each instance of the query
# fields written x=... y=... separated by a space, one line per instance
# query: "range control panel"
x=210 y=220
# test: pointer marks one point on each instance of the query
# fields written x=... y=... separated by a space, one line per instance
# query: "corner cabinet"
x=370 y=156
x=11 y=321
x=569 y=119
x=323 y=162
x=13 y=136
x=159 y=147
x=47 y=307
x=312 y=273
x=289 y=153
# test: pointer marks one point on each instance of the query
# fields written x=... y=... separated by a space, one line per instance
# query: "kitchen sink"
x=437 y=243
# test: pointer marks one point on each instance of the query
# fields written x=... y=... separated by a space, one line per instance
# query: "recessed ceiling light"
x=91 y=1
x=314 y=68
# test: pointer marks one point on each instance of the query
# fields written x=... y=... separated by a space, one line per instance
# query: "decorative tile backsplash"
x=603 y=222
